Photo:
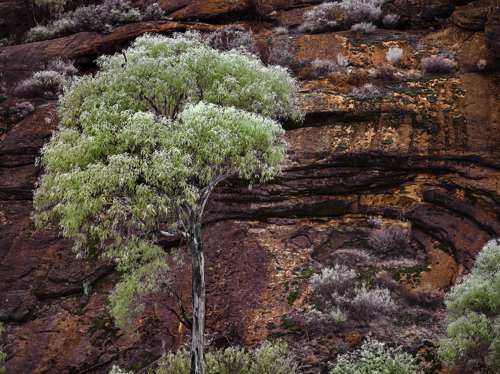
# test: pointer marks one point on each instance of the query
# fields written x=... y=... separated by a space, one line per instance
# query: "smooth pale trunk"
x=195 y=246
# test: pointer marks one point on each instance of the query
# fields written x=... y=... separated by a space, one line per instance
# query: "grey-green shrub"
x=20 y=110
x=269 y=358
x=374 y=358
x=153 y=13
x=364 y=27
x=394 y=239
x=320 y=18
x=390 y=21
x=394 y=55
x=437 y=64
x=232 y=37
x=362 y=10
x=472 y=339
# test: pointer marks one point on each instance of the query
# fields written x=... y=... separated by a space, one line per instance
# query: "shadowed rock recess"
x=424 y=154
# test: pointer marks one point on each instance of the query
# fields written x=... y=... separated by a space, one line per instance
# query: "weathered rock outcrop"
x=425 y=154
x=473 y=16
x=492 y=30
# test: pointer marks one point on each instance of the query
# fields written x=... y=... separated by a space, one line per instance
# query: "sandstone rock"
x=419 y=10
x=492 y=31
x=470 y=17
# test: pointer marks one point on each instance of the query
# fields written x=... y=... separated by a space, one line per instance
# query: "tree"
x=473 y=308
x=141 y=146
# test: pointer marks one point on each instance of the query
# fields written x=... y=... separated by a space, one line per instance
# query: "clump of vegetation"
x=281 y=30
x=20 y=111
x=364 y=27
x=362 y=10
x=94 y=17
x=473 y=324
x=47 y=83
x=391 y=239
x=269 y=358
x=232 y=37
x=281 y=53
x=425 y=296
x=367 y=92
x=152 y=13
x=437 y=64
x=375 y=357
x=339 y=296
x=391 y=21
x=394 y=55
x=385 y=73
x=321 y=18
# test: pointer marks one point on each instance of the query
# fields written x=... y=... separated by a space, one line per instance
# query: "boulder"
x=472 y=16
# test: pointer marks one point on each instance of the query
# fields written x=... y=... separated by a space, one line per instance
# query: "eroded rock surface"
x=425 y=154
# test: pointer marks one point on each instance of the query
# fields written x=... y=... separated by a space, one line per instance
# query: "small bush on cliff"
x=362 y=10
x=100 y=18
x=321 y=17
x=47 y=83
x=20 y=111
x=437 y=64
x=338 y=296
x=390 y=240
x=153 y=13
x=473 y=309
x=232 y=37
x=281 y=53
x=375 y=357
x=269 y=358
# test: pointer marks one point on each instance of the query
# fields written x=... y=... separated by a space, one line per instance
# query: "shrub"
x=336 y=280
x=91 y=18
x=48 y=82
x=365 y=27
x=425 y=296
x=367 y=92
x=394 y=55
x=153 y=13
x=57 y=29
x=367 y=305
x=121 y=12
x=384 y=280
x=269 y=358
x=374 y=221
x=473 y=326
x=390 y=239
x=362 y=10
x=232 y=37
x=323 y=67
x=281 y=30
x=321 y=17
x=281 y=53
x=330 y=320
x=21 y=110
x=385 y=73
x=63 y=67
x=390 y=21
x=375 y=357
x=342 y=61
x=437 y=64
x=116 y=370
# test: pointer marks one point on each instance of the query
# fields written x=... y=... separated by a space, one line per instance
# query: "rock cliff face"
x=426 y=154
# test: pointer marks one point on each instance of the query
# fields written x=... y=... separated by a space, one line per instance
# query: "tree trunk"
x=195 y=246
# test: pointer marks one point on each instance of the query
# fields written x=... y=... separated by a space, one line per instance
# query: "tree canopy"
x=142 y=144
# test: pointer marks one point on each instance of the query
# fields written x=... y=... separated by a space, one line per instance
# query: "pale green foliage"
x=3 y=356
x=269 y=358
x=116 y=370
x=375 y=358
x=473 y=306
x=141 y=145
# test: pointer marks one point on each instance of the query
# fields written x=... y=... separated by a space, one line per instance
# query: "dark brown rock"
x=492 y=31
x=470 y=17
x=417 y=11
